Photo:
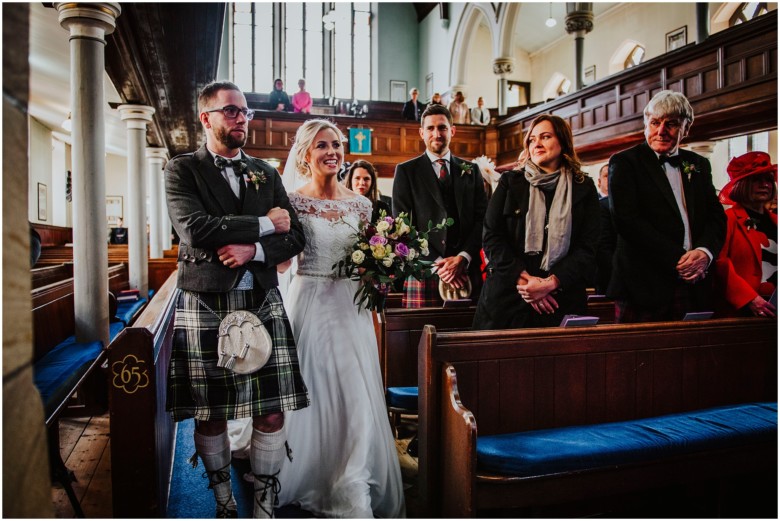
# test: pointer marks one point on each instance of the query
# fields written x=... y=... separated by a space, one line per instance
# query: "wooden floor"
x=85 y=448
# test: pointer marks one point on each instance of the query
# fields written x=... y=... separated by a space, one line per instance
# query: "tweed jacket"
x=416 y=192
x=650 y=227
x=207 y=215
x=738 y=266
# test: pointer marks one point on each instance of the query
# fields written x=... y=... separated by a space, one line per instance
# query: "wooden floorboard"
x=84 y=445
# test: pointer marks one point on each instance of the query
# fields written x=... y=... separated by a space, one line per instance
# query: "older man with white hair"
x=669 y=222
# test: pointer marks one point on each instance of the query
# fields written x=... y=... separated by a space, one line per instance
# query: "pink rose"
x=376 y=240
x=401 y=250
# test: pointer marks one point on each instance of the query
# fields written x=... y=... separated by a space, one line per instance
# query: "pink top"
x=302 y=102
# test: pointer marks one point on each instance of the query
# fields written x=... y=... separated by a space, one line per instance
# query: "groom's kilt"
x=421 y=293
x=198 y=389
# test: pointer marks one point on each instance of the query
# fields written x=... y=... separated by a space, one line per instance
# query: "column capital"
x=579 y=17
x=502 y=66
x=91 y=20
x=157 y=153
x=136 y=116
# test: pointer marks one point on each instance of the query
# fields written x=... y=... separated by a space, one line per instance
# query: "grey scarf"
x=559 y=220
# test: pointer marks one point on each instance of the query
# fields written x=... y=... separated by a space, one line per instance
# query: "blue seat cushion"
x=125 y=311
x=551 y=451
x=402 y=397
x=114 y=328
x=57 y=372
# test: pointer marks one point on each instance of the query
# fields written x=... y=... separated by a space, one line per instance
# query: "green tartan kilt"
x=198 y=389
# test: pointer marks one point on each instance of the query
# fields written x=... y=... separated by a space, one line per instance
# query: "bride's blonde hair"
x=304 y=137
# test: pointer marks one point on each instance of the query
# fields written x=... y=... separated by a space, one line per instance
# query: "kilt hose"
x=421 y=293
x=198 y=389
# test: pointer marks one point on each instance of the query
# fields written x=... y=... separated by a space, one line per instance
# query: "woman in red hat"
x=747 y=264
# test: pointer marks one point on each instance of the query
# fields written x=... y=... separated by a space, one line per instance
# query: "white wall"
x=40 y=170
x=647 y=23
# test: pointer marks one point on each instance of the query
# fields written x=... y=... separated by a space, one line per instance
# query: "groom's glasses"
x=231 y=111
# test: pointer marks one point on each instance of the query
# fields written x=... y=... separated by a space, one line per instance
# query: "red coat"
x=739 y=264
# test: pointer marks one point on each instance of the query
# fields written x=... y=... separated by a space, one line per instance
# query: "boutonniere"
x=751 y=223
x=256 y=178
x=465 y=168
x=688 y=169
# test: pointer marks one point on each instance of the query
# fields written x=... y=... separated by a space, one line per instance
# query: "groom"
x=236 y=224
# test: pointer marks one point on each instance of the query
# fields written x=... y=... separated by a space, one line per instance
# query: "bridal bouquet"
x=386 y=251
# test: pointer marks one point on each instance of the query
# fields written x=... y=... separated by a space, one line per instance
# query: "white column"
x=88 y=24
x=136 y=117
x=165 y=220
x=502 y=67
x=156 y=161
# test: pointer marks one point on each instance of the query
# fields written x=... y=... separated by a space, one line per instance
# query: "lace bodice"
x=330 y=228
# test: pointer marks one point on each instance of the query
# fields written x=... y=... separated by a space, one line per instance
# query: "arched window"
x=328 y=44
x=634 y=57
x=558 y=85
x=747 y=11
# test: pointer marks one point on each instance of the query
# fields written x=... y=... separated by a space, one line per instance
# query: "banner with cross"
x=360 y=141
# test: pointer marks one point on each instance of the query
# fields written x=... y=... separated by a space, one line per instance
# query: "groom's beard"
x=225 y=137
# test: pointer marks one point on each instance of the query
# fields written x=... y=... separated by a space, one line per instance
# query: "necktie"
x=241 y=183
x=443 y=170
x=672 y=160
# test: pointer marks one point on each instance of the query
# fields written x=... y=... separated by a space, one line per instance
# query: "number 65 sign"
x=130 y=374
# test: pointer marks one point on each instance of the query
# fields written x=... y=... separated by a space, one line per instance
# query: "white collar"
x=433 y=157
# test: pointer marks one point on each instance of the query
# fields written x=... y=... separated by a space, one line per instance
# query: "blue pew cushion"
x=114 y=328
x=565 y=449
x=55 y=374
x=125 y=311
x=402 y=397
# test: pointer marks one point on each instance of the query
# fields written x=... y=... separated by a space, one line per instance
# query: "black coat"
x=207 y=215
x=650 y=229
x=408 y=110
x=500 y=306
x=606 y=249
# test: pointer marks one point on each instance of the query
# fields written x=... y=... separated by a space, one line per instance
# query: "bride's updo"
x=304 y=137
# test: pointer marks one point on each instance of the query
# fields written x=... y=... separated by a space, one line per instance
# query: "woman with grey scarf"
x=540 y=235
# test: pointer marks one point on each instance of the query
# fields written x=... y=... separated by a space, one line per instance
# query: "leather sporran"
x=244 y=345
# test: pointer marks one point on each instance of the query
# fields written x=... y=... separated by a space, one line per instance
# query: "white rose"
x=412 y=254
x=387 y=261
x=382 y=226
x=358 y=257
x=424 y=244
x=403 y=229
x=425 y=251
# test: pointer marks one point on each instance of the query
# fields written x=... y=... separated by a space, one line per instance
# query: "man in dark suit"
x=669 y=222
x=235 y=225
x=436 y=186
x=607 y=237
x=413 y=109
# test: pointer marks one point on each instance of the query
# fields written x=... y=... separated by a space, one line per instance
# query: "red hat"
x=752 y=163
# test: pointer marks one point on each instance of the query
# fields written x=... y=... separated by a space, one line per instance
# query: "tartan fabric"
x=198 y=389
x=627 y=312
x=421 y=293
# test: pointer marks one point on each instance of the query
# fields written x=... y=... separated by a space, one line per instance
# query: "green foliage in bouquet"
x=386 y=251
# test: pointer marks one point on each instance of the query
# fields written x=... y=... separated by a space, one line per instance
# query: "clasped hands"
x=236 y=255
x=538 y=292
x=692 y=266
x=452 y=270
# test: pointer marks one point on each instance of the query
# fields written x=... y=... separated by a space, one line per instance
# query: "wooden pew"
x=43 y=276
x=523 y=380
x=402 y=328
x=142 y=432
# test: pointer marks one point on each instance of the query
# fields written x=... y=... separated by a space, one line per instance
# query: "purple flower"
x=377 y=240
x=389 y=220
x=401 y=250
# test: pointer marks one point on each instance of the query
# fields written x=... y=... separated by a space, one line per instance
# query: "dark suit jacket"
x=408 y=110
x=607 y=241
x=416 y=192
x=500 y=306
x=207 y=215
x=650 y=228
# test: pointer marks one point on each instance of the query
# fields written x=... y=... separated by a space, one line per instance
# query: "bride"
x=344 y=462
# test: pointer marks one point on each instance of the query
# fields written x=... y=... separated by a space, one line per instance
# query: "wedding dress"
x=345 y=462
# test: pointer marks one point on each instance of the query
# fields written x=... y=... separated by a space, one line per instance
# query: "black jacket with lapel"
x=207 y=215
x=650 y=228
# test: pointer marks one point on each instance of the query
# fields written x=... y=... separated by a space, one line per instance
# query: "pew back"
x=520 y=380
x=142 y=431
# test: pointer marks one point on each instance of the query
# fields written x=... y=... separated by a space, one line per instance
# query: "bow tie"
x=672 y=160
x=238 y=165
